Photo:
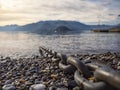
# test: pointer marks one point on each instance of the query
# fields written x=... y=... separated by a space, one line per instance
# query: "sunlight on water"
x=25 y=44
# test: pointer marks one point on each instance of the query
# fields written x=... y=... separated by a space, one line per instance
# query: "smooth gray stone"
x=62 y=88
x=9 y=87
x=37 y=87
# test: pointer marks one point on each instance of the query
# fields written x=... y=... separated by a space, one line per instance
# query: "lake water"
x=21 y=44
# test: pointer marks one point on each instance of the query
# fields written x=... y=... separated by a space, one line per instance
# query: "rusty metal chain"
x=89 y=76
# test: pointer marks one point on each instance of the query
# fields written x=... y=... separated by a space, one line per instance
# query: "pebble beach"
x=43 y=73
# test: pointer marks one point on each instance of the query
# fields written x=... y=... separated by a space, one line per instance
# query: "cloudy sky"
x=87 y=11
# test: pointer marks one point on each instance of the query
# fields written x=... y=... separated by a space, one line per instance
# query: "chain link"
x=89 y=76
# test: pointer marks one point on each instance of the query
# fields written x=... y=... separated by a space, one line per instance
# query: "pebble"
x=54 y=76
x=44 y=78
x=77 y=88
x=52 y=88
x=37 y=87
x=72 y=84
x=8 y=82
x=22 y=81
x=45 y=83
x=28 y=83
x=55 y=60
x=62 y=88
x=9 y=87
x=118 y=63
x=88 y=60
x=118 y=67
x=115 y=62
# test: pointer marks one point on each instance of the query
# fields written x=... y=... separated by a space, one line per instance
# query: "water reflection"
x=25 y=44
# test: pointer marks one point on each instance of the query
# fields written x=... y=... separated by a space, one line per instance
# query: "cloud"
x=26 y=11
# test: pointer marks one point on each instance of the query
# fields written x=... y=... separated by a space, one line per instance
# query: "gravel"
x=43 y=73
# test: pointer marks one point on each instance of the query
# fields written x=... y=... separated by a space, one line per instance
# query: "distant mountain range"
x=54 y=27
x=9 y=28
x=117 y=26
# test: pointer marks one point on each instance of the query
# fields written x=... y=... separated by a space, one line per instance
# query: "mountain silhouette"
x=53 y=27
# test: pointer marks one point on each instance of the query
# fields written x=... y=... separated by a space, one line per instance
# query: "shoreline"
x=25 y=73
x=112 y=30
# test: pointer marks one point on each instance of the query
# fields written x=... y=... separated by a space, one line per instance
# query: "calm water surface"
x=21 y=44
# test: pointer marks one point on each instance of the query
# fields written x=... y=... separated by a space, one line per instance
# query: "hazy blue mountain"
x=48 y=27
x=62 y=30
x=51 y=27
x=9 y=28
x=117 y=26
x=101 y=26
